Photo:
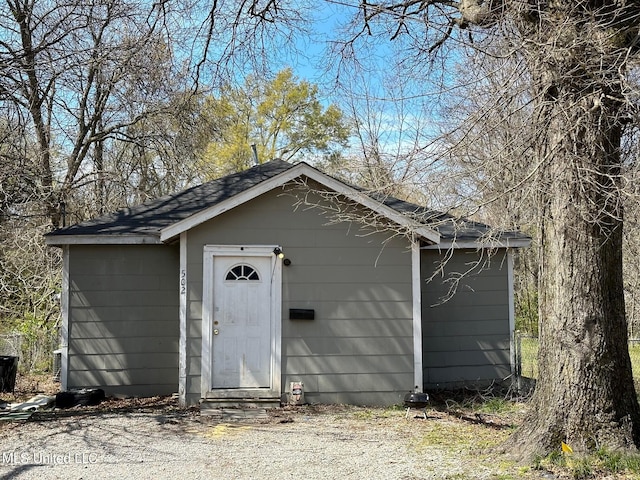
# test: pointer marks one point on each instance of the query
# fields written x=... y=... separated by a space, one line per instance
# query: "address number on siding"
x=183 y=282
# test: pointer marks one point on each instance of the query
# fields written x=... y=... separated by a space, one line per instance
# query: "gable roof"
x=143 y=223
x=163 y=219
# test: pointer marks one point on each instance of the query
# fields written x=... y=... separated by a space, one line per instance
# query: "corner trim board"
x=183 y=287
x=64 y=329
x=512 y=314
x=417 y=315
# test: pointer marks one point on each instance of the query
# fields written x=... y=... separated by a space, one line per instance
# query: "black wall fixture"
x=302 y=314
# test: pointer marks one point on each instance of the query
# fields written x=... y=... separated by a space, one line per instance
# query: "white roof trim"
x=509 y=243
x=102 y=240
x=278 y=181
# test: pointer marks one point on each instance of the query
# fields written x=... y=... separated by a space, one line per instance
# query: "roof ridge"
x=148 y=220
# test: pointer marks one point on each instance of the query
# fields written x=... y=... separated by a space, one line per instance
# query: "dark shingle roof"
x=452 y=228
x=149 y=219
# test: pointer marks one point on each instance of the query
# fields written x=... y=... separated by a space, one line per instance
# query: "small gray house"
x=238 y=287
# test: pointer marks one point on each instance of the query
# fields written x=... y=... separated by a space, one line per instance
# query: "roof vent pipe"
x=255 y=154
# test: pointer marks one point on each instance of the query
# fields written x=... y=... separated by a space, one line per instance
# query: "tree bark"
x=585 y=395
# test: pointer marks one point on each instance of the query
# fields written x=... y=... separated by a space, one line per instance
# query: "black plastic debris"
x=8 y=371
x=79 y=398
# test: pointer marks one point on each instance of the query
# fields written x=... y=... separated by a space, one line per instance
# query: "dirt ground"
x=155 y=438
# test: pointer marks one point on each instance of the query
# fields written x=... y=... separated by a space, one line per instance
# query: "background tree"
x=486 y=140
x=389 y=153
x=631 y=240
x=283 y=117
x=155 y=156
x=78 y=75
x=76 y=78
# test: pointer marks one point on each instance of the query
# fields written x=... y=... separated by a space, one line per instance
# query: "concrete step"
x=242 y=399
x=241 y=402
x=237 y=393
x=233 y=414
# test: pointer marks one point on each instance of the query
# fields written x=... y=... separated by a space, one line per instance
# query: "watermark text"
x=44 y=457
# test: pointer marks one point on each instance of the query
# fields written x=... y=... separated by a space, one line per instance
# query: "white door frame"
x=209 y=254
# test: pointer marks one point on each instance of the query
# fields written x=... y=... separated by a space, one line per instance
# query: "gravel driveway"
x=305 y=443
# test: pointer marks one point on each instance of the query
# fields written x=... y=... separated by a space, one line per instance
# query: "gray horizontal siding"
x=119 y=261
x=358 y=284
x=124 y=361
x=352 y=328
x=350 y=364
x=151 y=344
x=367 y=346
x=97 y=282
x=347 y=275
x=111 y=380
x=123 y=319
x=118 y=311
x=118 y=329
x=116 y=296
x=466 y=358
x=361 y=383
x=351 y=397
x=355 y=389
x=466 y=336
x=467 y=326
x=459 y=343
x=466 y=375
x=439 y=291
x=299 y=289
x=348 y=310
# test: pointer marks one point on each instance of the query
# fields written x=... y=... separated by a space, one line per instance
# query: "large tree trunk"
x=585 y=394
x=576 y=53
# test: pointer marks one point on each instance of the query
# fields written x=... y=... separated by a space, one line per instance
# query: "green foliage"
x=488 y=402
x=496 y=405
x=597 y=465
x=283 y=117
x=159 y=159
x=526 y=309
x=29 y=281
x=615 y=462
x=529 y=349
x=529 y=356
x=38 y=341
x=634 y=355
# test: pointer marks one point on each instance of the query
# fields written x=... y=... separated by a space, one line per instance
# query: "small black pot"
x=416 y=400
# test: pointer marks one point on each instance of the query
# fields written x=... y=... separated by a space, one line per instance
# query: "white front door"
x=241 y=322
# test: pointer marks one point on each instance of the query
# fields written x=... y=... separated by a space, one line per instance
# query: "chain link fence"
x=11 y=344
x=526 y=355
x=36 y=352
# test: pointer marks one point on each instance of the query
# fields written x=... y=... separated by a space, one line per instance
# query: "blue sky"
x=395 y=104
